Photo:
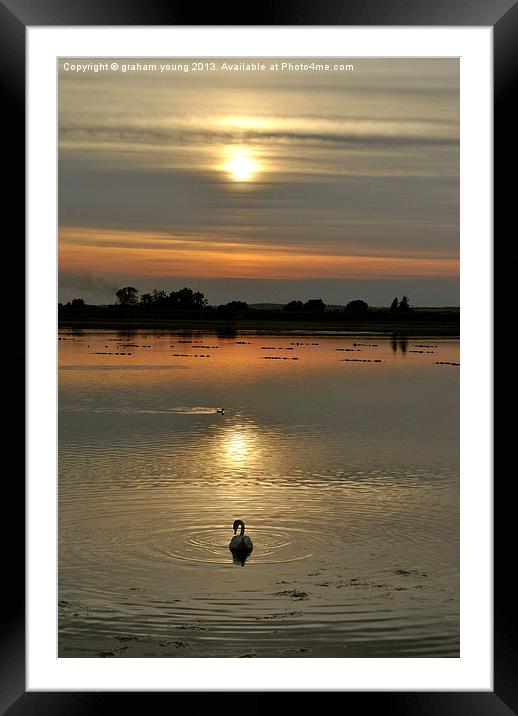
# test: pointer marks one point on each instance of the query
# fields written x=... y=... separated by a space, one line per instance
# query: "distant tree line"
x=183 y=300
x=187 y=307
x=316 y=304
x=188 y=300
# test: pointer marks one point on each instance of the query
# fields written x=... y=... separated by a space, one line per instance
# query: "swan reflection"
x=240 y=557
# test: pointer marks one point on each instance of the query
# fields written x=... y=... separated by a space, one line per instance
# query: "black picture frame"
x=15 y=17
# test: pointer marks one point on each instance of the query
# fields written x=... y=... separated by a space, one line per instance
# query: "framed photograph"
x=260 y=302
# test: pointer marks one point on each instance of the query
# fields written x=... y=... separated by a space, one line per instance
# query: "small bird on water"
x=240 y=543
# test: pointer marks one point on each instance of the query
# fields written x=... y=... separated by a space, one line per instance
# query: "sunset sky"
x=263 y=187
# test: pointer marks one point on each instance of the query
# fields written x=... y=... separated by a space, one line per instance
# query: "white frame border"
x=473 y=671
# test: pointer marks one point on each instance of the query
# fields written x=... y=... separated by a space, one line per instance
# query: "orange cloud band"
x=157 y=254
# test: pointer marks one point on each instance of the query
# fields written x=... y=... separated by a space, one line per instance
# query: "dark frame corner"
x=15 y=17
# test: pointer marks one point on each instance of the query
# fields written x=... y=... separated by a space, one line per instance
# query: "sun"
x=241 y=164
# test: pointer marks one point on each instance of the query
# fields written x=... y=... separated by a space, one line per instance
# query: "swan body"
x=240 y=543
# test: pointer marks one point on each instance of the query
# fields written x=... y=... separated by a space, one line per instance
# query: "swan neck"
x=242 y=529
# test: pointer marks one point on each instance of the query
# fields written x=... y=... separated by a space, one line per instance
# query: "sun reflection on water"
x=239 y=446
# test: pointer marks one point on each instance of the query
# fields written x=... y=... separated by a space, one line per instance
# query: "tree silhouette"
x=239 y=305
x=394 y=305
x=233 y=308
x=155 y=299
x=294 y=306
x=315 y=304
x=127 y=296
x=159 y=298
x=186 y=298
x=357 y=306
x=77 y=303
x=404 y=305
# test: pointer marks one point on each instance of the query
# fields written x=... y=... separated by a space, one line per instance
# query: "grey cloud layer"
x=174 y=137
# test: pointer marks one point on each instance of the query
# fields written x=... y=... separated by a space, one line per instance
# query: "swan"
x=220 y=410
x=240 y=543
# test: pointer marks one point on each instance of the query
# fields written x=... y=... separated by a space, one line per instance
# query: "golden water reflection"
x=238 y=445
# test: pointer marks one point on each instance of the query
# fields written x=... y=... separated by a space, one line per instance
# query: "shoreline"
x=417 y=328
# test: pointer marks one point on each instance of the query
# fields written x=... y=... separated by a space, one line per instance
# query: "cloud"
x=172 y=136
x=131 y=253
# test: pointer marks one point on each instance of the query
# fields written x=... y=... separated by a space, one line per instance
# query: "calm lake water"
x=340 y=453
